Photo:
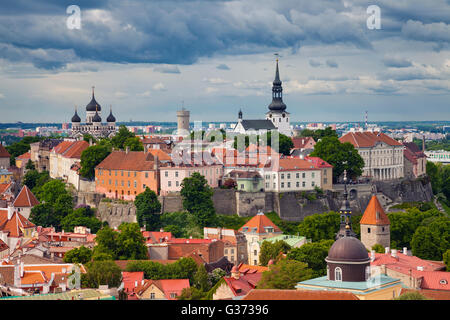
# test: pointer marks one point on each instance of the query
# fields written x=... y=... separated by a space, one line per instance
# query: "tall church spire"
x=277 y=93
x=345 y=229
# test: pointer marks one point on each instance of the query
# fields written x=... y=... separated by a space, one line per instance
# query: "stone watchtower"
x=375 y=225
x=183 y=122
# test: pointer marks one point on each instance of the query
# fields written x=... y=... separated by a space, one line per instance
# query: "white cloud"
x=159 y=87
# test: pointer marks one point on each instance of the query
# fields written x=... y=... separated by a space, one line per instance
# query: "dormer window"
x=443 y=281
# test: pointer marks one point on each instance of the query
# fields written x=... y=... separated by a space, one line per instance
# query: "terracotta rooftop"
x=71 y=149
x=14 y=225
x=132 y=161
x=295 y=164
x=318 y=162
x=4 y=187
x=3 y=152
x=368 y=139
x=258 y=224
x=374 y=214
x=273 y=294
x=301 y=142
x=25 y=198
x=167 y=286
x=162 y=156
x=3 y=246
x=245 y=283
x=431 y=294
x=247 y=268
x=24 y=156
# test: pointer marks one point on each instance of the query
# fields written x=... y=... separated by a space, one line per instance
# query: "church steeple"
x=277 y=93
x=345 y=229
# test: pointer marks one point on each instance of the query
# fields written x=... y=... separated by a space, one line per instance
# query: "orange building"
x=125 y=174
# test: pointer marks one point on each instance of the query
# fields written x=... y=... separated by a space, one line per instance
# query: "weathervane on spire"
x=276 y=54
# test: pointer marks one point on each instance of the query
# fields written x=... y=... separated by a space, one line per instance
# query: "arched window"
x=338 y=274
x=367 y=273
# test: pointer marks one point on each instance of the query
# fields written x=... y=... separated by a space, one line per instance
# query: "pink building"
x=172 y=175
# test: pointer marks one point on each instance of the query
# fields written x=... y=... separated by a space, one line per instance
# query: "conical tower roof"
x=374 y=213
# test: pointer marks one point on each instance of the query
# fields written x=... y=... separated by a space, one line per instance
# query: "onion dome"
x=75 y=117
x=240 y=114
x=93 y=105
x=96 y=118
x=347 y=249
x=111 y=118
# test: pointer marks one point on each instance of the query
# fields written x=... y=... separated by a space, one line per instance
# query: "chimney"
x=419 y=268
x=386 y=250
x=10 y=211
x=405 y=251
x=394 y=253
x=372 y=255
x=142 y=282
x=156 y=164
x=127 y=150
x=235 y=273
x=21 y=269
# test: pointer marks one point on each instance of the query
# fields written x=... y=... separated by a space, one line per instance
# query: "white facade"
x=382 y=161
x=281 y=122
x=286 y=181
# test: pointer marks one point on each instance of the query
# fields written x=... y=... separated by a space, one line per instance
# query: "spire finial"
x=93 y=87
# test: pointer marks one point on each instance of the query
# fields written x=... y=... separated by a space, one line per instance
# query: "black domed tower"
x=111 y=118
x=76 y=118
x=92 y=108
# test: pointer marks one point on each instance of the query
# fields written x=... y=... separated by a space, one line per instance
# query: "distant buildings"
x=382 y=155
x=438 y=156
x=235 y=243
x=40 y=153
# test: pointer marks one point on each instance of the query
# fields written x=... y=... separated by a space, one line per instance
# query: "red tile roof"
x=4 y=187
x=24 y=156
x=132 y=161
x=162 y=156
x=167 y=286
x=247 y=268
x=319 y=163
x=13 y=226
x=3 y=152
x=405 y=261
x=258 y=223
x=71 y=149
x=432 y=294
x=3 y=246
x=301 y=142
x=132 y=280
x=25 y=198
x=368 y=139
x=295 y=164
x=152 y=237
x=273 y=294
x=196 y=241
x=374 y=214
x=245 y=283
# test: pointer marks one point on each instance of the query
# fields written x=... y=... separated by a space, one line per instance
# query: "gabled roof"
x=258 y=124
x=368 y=139
x=301 y=142
x=274 y=294
x=245 y=283
x=162 y=156
x=295 y=164
x=71 y=149
x=132 y=161
x=4 y=187
x=13 y=225
x=25 y=198
x=374 y=214
x=258 y=223
x=3 y=246
x=247 y=268
x=167 y=286
x=318 y=162
x=24 y=156
x=3 y=152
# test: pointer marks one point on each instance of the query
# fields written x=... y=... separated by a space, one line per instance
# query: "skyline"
x=218 y=57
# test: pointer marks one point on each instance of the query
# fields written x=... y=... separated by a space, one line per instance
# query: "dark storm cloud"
x=175 y=32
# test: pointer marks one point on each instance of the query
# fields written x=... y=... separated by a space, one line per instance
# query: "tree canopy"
x=148 y=209
x=320 y=226
x=313 y=254
x=78 y=255
x=318 y=134
x=101 y=273
x=197 y=199
x=342 y=156
x=285 y=274
x=272 y=250
x=91 y=157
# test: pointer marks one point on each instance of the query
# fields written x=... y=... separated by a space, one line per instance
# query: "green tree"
x=89 y=138
x=91 y=157
x=201 y=280
x=319 y=134
x=101 y=273
x=436 y=179
x=43 y=215
x=378 y=248
x=34 y=179
x=313 y=254
x=18 y=148
x=342 y=156
x=285 y=274
x=446 y=259
x=216 y=275
x=192 y=293
x=320 y=226
x=30 y=165
x=412 y=296
x=118 y=141
x=106 y=239
x=432 y=241
x=197 y=199
x=131 y=243
x=283 y=145
x=134 y=143
x=272 y=250
x=78 y=255
x=148 y=209
x=81 y=217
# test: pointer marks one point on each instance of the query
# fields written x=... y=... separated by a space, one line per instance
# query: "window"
x=152 y=295
x=135 y=183
x=312 y=183
x=225 y=251
x=254 y=262
x=128 y=184
x=232 y=251
x=121 y=183
x=368 y=230
x=169 y=183
x=177 y=183
x=121 y=172
x=173 y=295
x=288 y=184
x=338 y=274
x=128 y=174
x=303 y=175
x=282 y=176
x=146 y=174
x=242 y=187
x=274 y=185
x=255 y=252
x=267 y=185
x=166 y=173
x=288 y=175
x=176 y=174
x=297 y=175
x=282 y=184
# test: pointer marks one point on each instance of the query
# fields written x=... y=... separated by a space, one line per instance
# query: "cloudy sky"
x=145 y=58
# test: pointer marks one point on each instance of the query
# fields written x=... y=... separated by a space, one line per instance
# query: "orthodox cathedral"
x=93 y=124
x=277 y=118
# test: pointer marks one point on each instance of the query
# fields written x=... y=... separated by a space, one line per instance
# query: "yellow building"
x=5 y=176
x=22 y=160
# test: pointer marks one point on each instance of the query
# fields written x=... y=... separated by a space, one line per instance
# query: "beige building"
x=63 y=158
x=235 y=243
x=382 y=155
x=292 y=174
x=415 y=161
x=257 y=229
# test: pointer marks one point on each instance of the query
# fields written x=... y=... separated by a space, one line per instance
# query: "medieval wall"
x=116 y=213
